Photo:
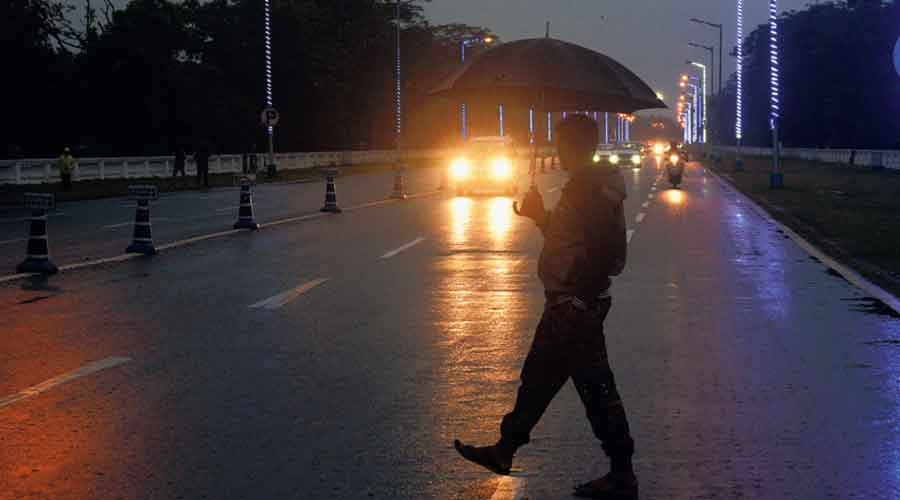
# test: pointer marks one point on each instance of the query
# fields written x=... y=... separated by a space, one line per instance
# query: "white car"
x=621 y=155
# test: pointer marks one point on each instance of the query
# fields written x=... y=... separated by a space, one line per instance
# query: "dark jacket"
x=584 y=235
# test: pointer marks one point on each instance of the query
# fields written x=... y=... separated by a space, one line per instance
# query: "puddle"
x=871 y=305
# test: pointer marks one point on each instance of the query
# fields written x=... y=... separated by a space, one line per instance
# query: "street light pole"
x=776 y=179
x=705 y=91
x=462 y=59
x=721 y=44
x=270 y=130
x=739 y=98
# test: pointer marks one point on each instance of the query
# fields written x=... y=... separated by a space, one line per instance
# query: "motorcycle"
x=675 y=170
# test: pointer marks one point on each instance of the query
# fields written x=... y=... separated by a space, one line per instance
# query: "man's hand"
x=532 y=206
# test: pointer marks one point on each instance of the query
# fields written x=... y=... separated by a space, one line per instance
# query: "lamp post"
x=270 y=130
x=721 y=44
x=776 y=179
x=398 y=192
x=462 y=59
x=705 y=91
x=739 y=97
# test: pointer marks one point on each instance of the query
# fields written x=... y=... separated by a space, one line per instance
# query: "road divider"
x=399 y=191
x=37 y=253
x=45 y=386
x=403 y=248
x=246 y=218
x=286 y=297
x=143 y=232
x=331 y=205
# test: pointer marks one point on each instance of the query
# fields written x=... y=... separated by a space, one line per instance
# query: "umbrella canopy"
x=550 y=75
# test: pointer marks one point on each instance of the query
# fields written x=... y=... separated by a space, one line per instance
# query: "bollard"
x=399 y=192
x=246 y=219
x=37 y=256
x=330 y=194
x=143 y=233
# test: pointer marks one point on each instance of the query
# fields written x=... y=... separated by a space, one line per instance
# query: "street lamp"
x=712 y=58
x=270 y=129
x=462 y=59
x=739 y=97
x=398 y=108
x=776 y=179
x=721 y=44
x=704 y=92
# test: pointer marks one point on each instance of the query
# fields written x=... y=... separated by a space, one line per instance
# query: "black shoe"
x=493 y=458
x=609 y=489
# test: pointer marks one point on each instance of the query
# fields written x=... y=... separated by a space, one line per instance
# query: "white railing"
x=864 y=157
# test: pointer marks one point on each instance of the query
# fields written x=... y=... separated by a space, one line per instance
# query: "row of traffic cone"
x=38 y=260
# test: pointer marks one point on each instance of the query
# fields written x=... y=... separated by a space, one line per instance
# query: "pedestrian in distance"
x=179 y=166
x=66 y=164
x=584 y=245
x=201 y=159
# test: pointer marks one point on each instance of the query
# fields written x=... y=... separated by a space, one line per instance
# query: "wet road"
x=338 y=357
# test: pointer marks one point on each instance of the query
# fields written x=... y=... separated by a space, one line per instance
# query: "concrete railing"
x=45 y=170
x=863 y=158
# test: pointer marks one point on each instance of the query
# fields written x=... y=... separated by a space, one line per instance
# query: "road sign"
x=143 y=192
x=39 y=201
x=269 y=117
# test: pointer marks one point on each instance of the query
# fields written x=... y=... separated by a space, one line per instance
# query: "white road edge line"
x=630 y=235
x=45 y=386
x=227 y=209
x=284 y=298
x=850 y=275
x=510 y=488
x=17 y=240
x=405 y=247
x=640 y=217
x=121 y=224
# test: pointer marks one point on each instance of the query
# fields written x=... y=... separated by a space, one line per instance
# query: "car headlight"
x=460 y=168
x=502 y=167
x=596 y=157
x=635 y=160
x=614 y=159
x=674 y=159
x=658 y=149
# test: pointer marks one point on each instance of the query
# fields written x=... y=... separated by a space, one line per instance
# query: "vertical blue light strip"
x=549 y=128
x=775 y=72
x=268 y=56
x=502 y=130
x=739 y=98
x=531 y=126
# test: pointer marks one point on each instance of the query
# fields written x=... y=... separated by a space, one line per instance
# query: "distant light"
x=660 y=96
x=488 y=40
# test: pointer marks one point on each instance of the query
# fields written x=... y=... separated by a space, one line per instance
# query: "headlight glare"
x=460 y=168
x=614 y=159
x=501 y=167
x=635 y=160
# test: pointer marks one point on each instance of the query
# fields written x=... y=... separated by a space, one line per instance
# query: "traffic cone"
x=143 y=234
x=330 y=194
x=37 y=256
x=398 y=192
x=246 y=220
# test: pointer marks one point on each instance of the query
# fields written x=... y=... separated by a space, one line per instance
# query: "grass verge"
x=851 y=213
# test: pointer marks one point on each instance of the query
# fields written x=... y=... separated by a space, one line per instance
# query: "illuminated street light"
x=705 y=91
x=739 y=98
x=721 y=44
x=776 y=179
x=462 y=59
x=270 y=130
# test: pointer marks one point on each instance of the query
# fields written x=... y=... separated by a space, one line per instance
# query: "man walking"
x=584 y=245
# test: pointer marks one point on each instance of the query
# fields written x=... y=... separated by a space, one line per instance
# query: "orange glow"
x=500 y=218
x=460 y=220
x=675 y=197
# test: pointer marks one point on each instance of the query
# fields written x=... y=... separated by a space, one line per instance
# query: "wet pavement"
x=338 y=357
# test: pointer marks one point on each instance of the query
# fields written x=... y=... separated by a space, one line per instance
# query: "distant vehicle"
x=620 y=154
x=487 y=164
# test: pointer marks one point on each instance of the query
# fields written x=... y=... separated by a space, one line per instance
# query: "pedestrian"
x=201 y=159
x=584 y=245
x=179 y=164
x=66 y=164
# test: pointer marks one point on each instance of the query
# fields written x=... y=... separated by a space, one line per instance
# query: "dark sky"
x=649 y=36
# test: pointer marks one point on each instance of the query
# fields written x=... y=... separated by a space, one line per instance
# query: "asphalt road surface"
x=338 y=356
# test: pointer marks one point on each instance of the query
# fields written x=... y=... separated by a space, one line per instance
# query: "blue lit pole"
x=502 y=128
x=605 y=128
x=270 y=130
x=705 y=90
x=776 y=179
x=462 y=59
x=739 y=98
x=531 y=125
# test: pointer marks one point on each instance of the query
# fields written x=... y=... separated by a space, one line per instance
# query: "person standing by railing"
x=201 y=159
x=66 y=164
x=179 y=164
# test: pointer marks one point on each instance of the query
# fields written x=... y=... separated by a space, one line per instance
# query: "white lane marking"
x=227 y=209
x=17 y=240
x=630 y=235
x=553 y=189
x=649 y=196
x=284 y=298
x=510 y=488
x=121 y=224
x=653 y=188
x=26 y=219
x=405 y=247
x=640 y=217
x=45 y=386
x=645 y=204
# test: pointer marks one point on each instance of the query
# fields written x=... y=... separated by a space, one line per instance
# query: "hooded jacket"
x=584 y=236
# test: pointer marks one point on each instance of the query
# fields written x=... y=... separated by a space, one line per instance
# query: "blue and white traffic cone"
x=398 y=193
x=143 y=234
x=330 y=193
x=246 y=220
x=37 y=257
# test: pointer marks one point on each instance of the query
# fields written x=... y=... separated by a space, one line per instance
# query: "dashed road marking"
x=26 y=219
x=510 y=488
x=114 y=226
x=649 y=196
x=640 y=217
x=553 y=189
x=405 y=247
x=45 y=386
x=284 y=298
x=227 y=209
x=17 y=240
x=645 y=204
x=630 y=235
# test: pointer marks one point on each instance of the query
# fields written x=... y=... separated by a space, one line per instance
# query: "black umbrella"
x=550 y=75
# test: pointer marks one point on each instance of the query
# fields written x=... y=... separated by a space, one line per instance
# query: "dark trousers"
x=570 y=344
x=203 y=175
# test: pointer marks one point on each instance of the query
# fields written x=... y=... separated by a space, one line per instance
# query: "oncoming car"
x=486 y=164
x=621 y=155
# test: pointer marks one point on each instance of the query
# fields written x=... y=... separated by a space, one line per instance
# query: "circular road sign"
x=269 y=117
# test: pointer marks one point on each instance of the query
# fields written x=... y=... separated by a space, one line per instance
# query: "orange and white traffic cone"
x=143 y=233
x=37 y=257
x=398 y=193
x=330 y=193
x=246 y=220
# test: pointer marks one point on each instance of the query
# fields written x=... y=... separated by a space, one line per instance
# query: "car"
x=485 y=164
x=619 y=155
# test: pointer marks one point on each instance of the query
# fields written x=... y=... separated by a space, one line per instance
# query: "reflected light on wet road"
x=460 y=220
x=674 y=197
x=500 y=218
